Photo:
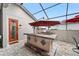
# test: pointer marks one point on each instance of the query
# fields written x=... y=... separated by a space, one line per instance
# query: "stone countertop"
x=52 y=36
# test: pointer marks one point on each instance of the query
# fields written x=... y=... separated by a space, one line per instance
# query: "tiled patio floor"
x=64 y=49
x=18 y=49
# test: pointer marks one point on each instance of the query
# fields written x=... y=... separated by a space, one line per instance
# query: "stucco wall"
x=15 y=12
x=72 y=26
x=67 y=36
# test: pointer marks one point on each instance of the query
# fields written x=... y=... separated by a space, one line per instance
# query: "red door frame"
x=10 y=36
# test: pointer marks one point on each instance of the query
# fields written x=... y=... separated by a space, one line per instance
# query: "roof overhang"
x=73 y=20
x=26 y=11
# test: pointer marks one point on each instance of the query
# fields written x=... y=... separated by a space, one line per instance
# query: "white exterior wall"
x=15 y=12
x=67 y=35
x=73 y=26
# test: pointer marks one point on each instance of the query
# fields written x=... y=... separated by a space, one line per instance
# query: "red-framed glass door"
x=13 y=31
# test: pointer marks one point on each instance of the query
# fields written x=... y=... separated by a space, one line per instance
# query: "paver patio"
x=18 y=49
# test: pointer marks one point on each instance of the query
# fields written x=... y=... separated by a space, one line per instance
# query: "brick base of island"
x=42 y=43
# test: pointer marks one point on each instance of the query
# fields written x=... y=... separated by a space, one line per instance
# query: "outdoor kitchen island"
x=40 y=42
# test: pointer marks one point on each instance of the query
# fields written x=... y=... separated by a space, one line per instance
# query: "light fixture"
x=20 y=25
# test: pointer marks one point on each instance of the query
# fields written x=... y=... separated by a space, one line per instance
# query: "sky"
x=54 y=11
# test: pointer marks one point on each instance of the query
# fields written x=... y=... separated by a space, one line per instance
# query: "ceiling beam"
x=44 y=11
x=46 y=8
x=64 y=15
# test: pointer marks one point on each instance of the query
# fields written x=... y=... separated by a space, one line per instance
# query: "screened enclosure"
x=55 y=12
